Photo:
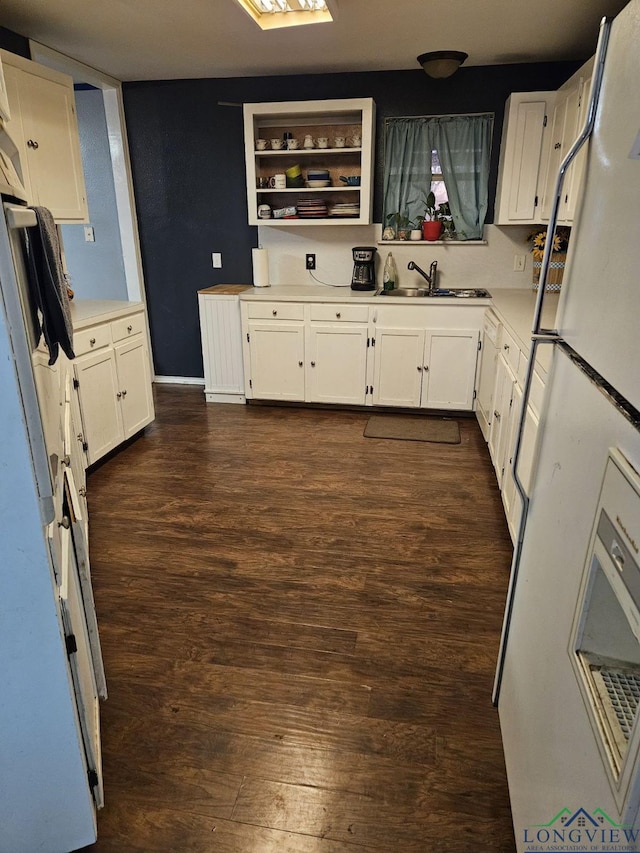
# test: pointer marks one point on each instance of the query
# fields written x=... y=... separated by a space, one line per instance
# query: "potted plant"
x=401 y=225
x=431 y=222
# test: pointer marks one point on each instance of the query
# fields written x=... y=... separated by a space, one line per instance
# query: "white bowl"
x=316 y=184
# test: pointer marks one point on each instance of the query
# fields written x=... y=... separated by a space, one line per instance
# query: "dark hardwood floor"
x=299 y=628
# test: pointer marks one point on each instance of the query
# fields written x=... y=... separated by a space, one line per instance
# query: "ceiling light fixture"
x=442 y=63
x=271 y=14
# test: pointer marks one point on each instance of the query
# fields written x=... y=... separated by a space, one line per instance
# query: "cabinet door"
x=449 y=369
x=277 y=360
x=99 y=405
x=44 y=120
x=575 y=171
x=486 y=382
x=336 y=364
x=134 y=385
x=520 y=162
x=502 y=391
x=555 y=154
x=398 y=367
x=510 y=496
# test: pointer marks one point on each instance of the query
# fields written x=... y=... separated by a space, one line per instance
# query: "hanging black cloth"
x=48 y=285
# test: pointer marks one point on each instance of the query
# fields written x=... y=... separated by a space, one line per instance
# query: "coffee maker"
x=364 y=271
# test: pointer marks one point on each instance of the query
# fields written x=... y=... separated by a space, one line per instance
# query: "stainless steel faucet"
x=431 y=278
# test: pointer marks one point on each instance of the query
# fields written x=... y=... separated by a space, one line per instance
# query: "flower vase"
x=555 y=274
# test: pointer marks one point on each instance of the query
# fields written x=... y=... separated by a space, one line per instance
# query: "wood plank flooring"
x=299 y=628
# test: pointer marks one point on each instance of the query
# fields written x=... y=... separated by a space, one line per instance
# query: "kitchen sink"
x=456 y=292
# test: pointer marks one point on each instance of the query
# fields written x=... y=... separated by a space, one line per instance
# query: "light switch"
x=216 y=258
x=519 y=262
x=89 y=236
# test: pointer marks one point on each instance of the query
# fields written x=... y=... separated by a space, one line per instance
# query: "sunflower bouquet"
x=538 y=239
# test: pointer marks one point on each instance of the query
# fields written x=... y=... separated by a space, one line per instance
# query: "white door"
x=134 y=385
x=398 y=367
x=99 y=406
x=277 y=360
x=499 y=423
x=336 y=364
x=486 y=381
x=449 y=367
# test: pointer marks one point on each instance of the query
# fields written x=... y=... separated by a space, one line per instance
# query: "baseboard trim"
x=178 y=380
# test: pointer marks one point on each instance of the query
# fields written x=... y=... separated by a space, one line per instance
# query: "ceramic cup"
x=339 y=142
x=279 y=181
x=323 y=142
x=276 y=144
x=308 y=141
x=292 y=144
x=262 y=183
x=356 y=141
x=261 y=144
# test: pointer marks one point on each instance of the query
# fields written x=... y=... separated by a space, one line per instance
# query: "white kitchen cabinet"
x=524 y=154
x=221 y=336
x=487 y=371
x=276 y=360
x=505 y=381
x=425 y=368
x=568 y=117
x=113 y=382
x=348 y=118
x=336 y=364
x=44 y=128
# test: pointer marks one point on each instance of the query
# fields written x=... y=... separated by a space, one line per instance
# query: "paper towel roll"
x=260 y=267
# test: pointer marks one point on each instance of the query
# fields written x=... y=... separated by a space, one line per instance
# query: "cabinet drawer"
x=127 y=326
x=91 y=339
x=509 y=350
x=340 y=313
x=279 y=310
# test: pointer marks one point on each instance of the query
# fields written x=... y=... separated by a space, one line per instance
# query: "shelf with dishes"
x=317 y=147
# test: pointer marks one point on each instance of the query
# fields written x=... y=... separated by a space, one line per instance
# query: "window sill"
x=433 y=243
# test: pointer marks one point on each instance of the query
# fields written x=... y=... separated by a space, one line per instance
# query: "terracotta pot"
x=432 y=230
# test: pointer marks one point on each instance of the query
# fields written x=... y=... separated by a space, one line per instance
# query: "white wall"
x=459 y=265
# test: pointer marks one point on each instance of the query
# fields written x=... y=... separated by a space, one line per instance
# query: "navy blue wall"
x=14 y=43
x=187 y=155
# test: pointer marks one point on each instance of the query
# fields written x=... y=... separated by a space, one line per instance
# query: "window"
x=446 y=154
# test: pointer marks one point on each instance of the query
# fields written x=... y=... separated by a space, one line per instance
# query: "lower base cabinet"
x=432 y=369
x=360 y=354
x=113 y=384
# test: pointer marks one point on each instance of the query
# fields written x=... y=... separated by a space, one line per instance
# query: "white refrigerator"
x=51 y=674
x=571 y=748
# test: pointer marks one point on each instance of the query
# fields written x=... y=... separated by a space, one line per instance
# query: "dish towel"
x=48 y=285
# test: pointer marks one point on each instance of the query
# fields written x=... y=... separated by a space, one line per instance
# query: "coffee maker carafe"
x=364 y=272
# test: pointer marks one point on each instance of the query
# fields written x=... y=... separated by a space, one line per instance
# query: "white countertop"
x=321 y=293
x=86 y=312
x=515 y=308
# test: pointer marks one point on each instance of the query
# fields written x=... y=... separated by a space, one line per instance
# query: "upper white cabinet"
x=335 y=136
x=568 y=117
x=45 y=130
x=524 y=153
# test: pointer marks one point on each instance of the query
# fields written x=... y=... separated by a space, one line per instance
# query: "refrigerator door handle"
x=539 y=336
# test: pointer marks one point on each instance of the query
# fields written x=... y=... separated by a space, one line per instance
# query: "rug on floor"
x=410 y=428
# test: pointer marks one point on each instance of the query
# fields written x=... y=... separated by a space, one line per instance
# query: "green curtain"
x=463 y=144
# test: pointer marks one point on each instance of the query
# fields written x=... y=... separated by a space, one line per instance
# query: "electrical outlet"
x=310 y=261
x=216 y=259
x=89 y=234
x=519 y=262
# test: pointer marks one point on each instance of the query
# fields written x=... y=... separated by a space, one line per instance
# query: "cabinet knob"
x=313 y=364
x=420 y=368
x=300 y=364
x=506 y=347
x=66 y=460
x=92 y=342
x=65 y=522
x=124 y=393
x=82 y=491
x=338 y=314
x=425 y=367
x=119 y=394
x=496 y=415
x=31 y=143
x=129 y=328
x=274 y=312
